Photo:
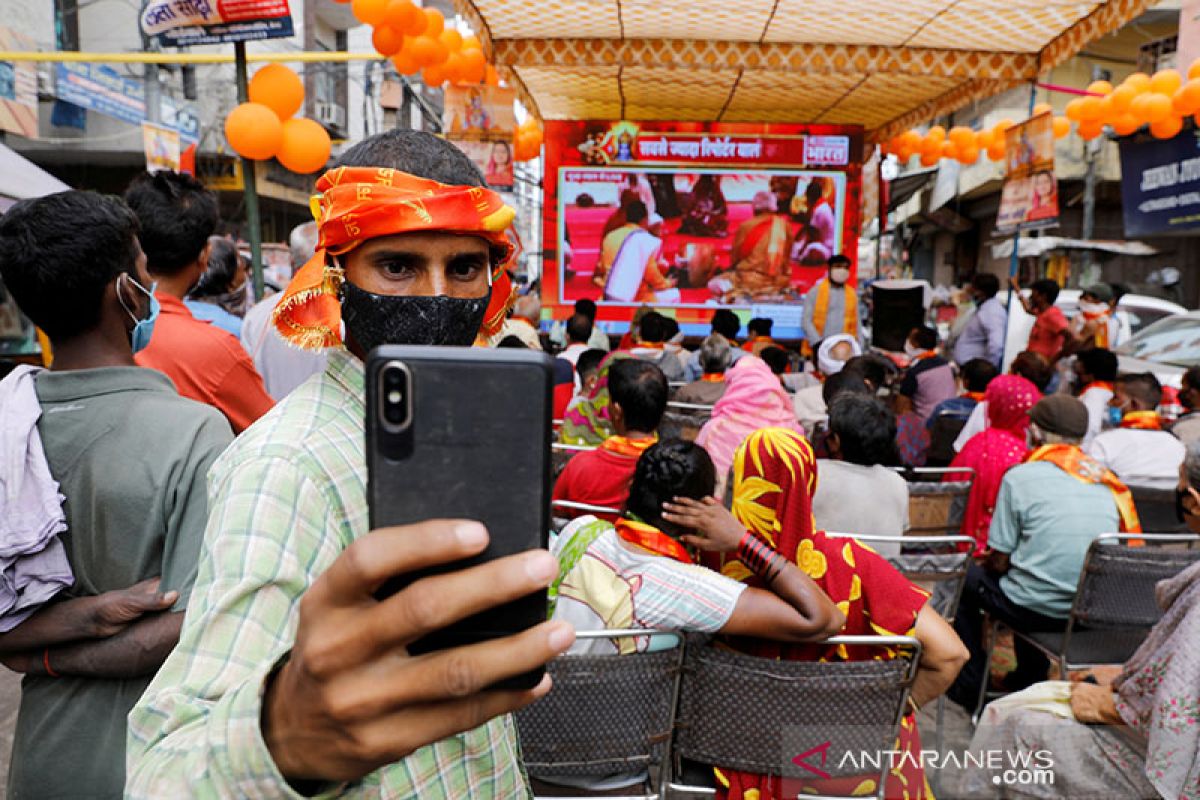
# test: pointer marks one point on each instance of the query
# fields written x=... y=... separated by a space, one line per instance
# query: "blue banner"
x=100 y=88
x=1160 y=184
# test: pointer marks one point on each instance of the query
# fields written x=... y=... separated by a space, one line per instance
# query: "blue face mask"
x=143 y=329
x=1115 y=415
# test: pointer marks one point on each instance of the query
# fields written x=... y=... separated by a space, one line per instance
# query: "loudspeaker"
x=896 y=312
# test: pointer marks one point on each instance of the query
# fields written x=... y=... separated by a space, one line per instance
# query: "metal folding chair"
x=936 y=508
x=607 y=714
x=1114 y=606
x=938 y=563
x=736 y=710
x=1156 y=509
x=684 y=419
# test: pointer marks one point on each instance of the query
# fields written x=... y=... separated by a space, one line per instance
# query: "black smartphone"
x=463 y=433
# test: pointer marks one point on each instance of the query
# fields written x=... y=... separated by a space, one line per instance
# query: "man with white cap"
x=832 y=356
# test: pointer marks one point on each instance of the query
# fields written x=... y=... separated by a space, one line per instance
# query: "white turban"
x=825 y=360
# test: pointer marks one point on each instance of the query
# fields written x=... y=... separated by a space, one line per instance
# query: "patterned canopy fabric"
x=885 y=66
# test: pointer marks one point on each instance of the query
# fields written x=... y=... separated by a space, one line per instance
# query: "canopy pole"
x=1014 y=262
x=250 y=187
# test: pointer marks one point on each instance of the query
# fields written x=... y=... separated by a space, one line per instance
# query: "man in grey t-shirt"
x=130 y=456
x=855 y=492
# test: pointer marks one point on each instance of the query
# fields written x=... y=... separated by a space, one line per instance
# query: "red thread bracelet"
x=46 y=663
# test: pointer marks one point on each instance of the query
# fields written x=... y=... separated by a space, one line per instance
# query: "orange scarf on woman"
x=821 y=309
x=355 y=204
x=650 y=538
x=1073 y=461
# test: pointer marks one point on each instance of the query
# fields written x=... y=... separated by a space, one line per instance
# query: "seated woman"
x=1135 y=736
x=639 y=572
x=774 y=478
x=994 y=450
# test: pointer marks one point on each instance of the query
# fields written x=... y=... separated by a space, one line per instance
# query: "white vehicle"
x=1167 y=348
x=1135 y=312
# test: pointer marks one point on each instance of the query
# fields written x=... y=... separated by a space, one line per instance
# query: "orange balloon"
x=968 y=155
x=305 y=146
x=1158 y=107
x=1100 y=87
x=1062 y=127
x=474 y=66
x=929 y=160
x=435 y=23
x=434 y=75
x=1139 y=108
x=1042 y=108
x=1090 y=109
x=1166 y=81
x=454 y=68
x=1138 y=81
x=278 y=88
x=369 y=12
x=1090 y=129
x=996 y=151
x=416 y=21
x=1003 y=125
x=254 y=131
x=1121 y=97
x=452 y=39
x=1125 y=124
x=491 y=76
x=1167 y=128
x=424 y=51
x=961 y=136
x=404 y=63
x=1074 y=109
x=984 y=139
x=937 y=133
x=1194 y=70
x=950 y=150
x=471 y=42
x=1186 y=101
x=395 y=14
x=387 y=40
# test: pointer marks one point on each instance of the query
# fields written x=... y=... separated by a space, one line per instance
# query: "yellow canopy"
x=886 y=66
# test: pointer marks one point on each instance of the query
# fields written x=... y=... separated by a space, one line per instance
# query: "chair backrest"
x=1116 y=587
x=736 y=710
x=583 y=508
x=936 y=563
x=1156 y=509
x=936 y=508
x=684 y=420
x=606 y=714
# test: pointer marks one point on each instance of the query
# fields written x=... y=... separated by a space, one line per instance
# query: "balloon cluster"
x=527 y=140
x=417 y=40
x=266 y=128
x=1161 y=101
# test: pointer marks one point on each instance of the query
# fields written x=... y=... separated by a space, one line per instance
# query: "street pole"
x=1014 y=262
x=250 y=188
x=1091 y=149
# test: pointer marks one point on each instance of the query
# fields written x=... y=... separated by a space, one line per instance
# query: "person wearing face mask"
x=290 y=675
x=1187 y=427
x=1095 y=325
x=130 y=457
x=177 y=216
x=1048 y=511
x=222 y=295
x=831 y=306
x=983 y=335
x=1136 y=447
x=930 y=379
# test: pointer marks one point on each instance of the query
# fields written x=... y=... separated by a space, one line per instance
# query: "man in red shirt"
x=601 y=477
x=1049 y=334
x=177 y=215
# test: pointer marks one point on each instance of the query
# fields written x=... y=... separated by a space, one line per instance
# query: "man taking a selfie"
x=290 y=677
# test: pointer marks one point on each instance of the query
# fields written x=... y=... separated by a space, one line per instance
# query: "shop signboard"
x=181 y=23
x=1160 y=184
x=18 y=87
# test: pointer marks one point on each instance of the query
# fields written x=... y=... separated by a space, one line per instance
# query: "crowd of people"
x=191 y=590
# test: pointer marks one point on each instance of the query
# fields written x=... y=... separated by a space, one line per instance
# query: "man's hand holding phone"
x=350 y=699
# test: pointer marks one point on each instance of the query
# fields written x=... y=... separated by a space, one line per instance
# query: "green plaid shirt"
x=286 y=499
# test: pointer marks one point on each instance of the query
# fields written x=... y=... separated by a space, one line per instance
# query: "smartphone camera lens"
x=394 y=393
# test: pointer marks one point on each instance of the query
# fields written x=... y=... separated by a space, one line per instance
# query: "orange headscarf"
x=354 y=204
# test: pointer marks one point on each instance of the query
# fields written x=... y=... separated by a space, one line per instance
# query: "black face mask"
x=375 y=319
